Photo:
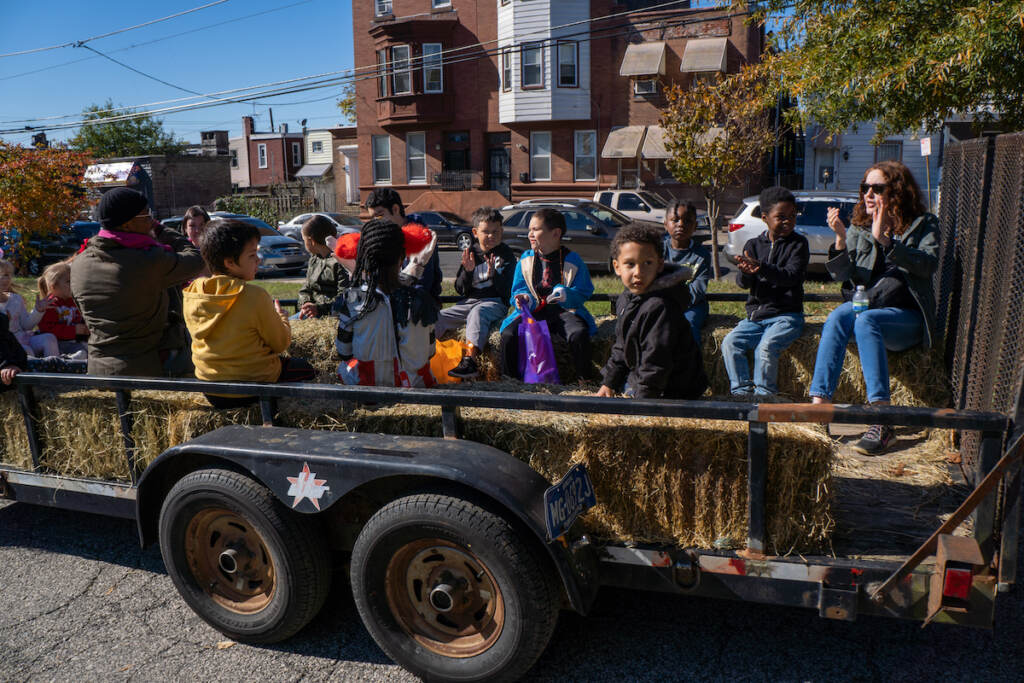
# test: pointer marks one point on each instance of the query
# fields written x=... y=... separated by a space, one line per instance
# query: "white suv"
x=812 y=210
x=645 y=205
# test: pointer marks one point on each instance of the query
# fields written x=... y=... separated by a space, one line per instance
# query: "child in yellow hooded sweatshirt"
x=238 y=330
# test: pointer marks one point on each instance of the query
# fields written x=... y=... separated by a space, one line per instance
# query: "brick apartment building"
x=526 y=109
x=171 y=183
x=269 y=158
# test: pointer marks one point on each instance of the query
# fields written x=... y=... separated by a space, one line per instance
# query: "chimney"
x=247 y=127
x=283 y=128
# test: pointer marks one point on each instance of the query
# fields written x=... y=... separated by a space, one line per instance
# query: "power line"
x=384 y=65
x=337 y=80
x=156 y=40
x=78 y=43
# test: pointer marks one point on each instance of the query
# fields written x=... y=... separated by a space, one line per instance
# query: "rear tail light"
x=957 y=583
x=733 y=227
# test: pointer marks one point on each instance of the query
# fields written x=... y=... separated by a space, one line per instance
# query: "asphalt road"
x=80 y=601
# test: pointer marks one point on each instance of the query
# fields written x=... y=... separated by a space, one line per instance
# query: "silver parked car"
x=811 y=222
x=343 y=223
x=277 y=253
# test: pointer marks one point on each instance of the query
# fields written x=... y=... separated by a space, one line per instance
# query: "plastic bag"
x=536 y=354
x=447 y=355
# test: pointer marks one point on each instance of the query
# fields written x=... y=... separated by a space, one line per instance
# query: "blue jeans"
x=696 y=315
x=875 y=330
x=768 y=338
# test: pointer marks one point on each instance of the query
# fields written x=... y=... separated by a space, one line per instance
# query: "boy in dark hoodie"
x=773 y=267
x=654 y=355
x=484 y=281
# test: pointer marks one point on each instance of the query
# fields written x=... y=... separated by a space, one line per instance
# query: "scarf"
x=132 y=240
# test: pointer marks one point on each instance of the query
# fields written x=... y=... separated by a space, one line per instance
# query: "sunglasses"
x=877 y=188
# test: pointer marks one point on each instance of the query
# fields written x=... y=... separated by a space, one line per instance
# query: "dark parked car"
x=53 y=247
x=452 y=230
x=590 y=228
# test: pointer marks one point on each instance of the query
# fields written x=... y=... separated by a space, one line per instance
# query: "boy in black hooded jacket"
x=654 y=348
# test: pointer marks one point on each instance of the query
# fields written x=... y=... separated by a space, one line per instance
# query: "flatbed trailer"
x=461 y=555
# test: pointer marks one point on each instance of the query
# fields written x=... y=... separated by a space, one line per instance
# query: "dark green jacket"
x=915 y=253
x=325 y=278
x=123 y=297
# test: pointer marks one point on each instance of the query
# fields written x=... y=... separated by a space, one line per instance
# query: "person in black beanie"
x=120 y=282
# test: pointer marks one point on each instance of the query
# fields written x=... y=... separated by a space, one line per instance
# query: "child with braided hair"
x=379 y=340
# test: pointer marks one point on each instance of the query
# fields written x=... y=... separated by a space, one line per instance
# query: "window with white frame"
x=382 y=71
x=433 y=75
x=890 y=150
x=383 y=7
x=532 y=65
x=234 y=158
x=568 y=70
x=540 y=156
x=401 y=77
x=296 y=154
x=645 y=86
x=416 y=157
x=506 y=69
x=584 y=161
x=261 y=155
x=318 y=146
x=381 y=158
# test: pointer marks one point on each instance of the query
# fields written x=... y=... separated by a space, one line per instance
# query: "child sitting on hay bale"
x=553 y=283
x=380 y=341
x=21 y=322
x=62 y=318
x=484 y=280
x=237 y=330
x=653 y=342
x=325 y=276
x=681 y=249
x=773 y=267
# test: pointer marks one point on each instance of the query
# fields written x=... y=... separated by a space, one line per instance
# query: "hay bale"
x=657 y=479
x=916 y=377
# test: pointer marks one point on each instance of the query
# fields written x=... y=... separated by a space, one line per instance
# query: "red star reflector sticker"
x=306 y=485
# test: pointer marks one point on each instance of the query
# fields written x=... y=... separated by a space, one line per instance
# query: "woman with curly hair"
x=891 y=248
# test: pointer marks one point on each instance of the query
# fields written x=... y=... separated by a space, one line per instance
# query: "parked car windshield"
x=344 y=219
x=816 y=213
x=654 y=200
x=265 y=230
x=451 y=217
x=609 y=217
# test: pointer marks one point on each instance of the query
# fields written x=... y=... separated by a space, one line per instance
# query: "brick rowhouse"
x=525 y=109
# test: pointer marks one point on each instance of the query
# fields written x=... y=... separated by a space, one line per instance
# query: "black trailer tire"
x=423 y=553
x=251 y=568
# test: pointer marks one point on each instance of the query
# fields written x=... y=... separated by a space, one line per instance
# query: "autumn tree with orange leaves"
x=718 y=132
x=40 y=190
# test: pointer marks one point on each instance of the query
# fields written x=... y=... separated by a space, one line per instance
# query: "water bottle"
x=860 y=301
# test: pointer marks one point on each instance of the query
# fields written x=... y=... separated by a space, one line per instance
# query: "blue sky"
x=294 y=38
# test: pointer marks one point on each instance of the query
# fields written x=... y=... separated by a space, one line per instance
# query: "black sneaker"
x=875 y=440
x=466 y=369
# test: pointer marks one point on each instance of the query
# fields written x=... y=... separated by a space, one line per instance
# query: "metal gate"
x=980 y=280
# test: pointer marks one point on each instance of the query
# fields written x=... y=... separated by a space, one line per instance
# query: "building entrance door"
x=498 y=173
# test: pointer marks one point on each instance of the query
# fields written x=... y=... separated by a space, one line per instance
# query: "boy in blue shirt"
x=554 y=284
x=682 y=250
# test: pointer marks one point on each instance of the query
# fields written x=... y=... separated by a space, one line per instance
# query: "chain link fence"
x=980 y=280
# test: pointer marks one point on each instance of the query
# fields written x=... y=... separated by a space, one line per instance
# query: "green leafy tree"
x=717 y=132
x=347 y=103
x=40 y=190
x=903 y=63
x=123 y=138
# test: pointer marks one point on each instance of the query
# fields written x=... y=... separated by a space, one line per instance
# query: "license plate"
x=565 y=501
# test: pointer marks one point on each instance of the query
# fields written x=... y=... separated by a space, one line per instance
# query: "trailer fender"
x=309 y=471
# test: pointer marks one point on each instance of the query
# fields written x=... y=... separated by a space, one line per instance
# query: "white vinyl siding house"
x=318 y=147
x=549 y=102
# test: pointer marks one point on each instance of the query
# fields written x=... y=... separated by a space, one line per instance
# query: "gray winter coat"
x=915 y=253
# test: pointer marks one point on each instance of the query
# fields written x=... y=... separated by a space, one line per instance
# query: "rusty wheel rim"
x=229 y=560
x=445 y=598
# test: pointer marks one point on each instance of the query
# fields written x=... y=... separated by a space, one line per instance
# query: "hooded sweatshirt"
x=653 y=343
x=236 y=333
